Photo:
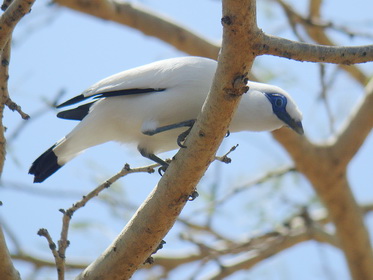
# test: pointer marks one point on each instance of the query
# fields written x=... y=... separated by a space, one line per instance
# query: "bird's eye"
x=279 y=102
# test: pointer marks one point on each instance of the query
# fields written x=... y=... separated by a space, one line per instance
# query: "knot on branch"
x=239 y=86
x=226 y=20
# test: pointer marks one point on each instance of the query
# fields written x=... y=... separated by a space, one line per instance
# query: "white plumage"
x=133 y=104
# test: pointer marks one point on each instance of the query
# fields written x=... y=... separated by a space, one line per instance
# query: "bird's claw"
x=181 y=138
x=162 y=169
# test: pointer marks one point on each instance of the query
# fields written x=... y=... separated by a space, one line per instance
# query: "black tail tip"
x=44 y=166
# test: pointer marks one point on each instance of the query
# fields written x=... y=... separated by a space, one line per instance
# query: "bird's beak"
x=290 y=122
x=296 y=126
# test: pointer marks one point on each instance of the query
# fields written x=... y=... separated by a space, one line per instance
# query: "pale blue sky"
x=57 y=49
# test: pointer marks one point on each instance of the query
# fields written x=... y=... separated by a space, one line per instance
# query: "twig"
x=44 y=263
x=57 y=257
x=49 y=105
x=224 y=158
x=270 y=175
x=318 y=35
x=63 y=243
x=15 y=107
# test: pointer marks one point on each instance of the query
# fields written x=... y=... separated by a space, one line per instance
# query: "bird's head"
x=286 y=110
x=267 y=107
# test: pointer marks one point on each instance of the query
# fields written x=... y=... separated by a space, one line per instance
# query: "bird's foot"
x=181 y=138
x=150 y=259
x=162 y=169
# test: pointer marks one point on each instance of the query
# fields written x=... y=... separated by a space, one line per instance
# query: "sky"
x=56 y=51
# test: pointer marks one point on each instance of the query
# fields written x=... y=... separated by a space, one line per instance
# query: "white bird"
x=151 y=105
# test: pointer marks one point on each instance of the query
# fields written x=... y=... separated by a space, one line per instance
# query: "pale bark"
x=7 y=270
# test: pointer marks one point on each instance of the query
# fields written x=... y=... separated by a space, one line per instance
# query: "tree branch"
x=12 y=15
x=317 y=34
x=8 y=20
x=356 y=130
x=38 y=262
x=277 y=46
x=266 y=249
x=148 y=22
x=7 y=270
x=327 y=174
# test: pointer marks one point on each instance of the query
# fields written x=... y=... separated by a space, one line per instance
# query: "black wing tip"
x=44 y=166
x=71 y=101
x=76 y=114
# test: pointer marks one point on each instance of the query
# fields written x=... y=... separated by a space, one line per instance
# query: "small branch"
x=15 y=107
x=125 y=171
x=265 y=249
x=270 y=175
x=63 y=243
x=57 y=257
x=224 y=158
x=318 y=35
x=41 y=263
x=272 y=45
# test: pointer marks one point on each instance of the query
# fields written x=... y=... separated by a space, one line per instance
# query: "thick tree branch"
x=7 y=270
x=12 y=15
x=148 y=22
x=357 y=128
x=327 y=174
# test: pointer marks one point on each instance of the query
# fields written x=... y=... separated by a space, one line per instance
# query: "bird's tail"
x=45 y=165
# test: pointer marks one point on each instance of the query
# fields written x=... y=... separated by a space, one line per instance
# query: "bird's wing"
x=80 y=112
x=112 y=93
x=154 y=77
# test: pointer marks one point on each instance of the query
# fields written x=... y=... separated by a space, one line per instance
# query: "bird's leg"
x=160 y=129
x=153 y=157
